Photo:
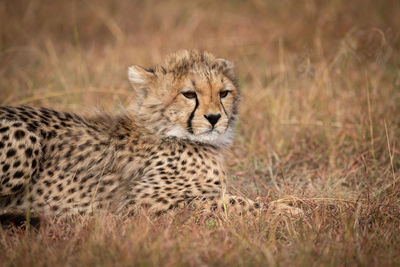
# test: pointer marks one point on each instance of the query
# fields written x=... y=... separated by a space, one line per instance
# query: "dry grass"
x=320 y=124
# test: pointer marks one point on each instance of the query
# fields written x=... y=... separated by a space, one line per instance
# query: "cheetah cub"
x=163 y=152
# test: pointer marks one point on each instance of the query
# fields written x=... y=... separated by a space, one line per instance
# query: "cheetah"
x=162 y=152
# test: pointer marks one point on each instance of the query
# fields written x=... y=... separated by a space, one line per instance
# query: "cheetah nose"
x=213 y=118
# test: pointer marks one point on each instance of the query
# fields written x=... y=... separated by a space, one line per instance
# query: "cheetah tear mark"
x=189 y=121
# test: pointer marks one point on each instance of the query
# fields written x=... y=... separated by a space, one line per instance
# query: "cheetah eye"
x=223 y=93
x=189 y=94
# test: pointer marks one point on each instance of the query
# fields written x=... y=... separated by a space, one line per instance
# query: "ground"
x=319 y=125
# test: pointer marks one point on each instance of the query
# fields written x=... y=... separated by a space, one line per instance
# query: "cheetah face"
x=192 y=96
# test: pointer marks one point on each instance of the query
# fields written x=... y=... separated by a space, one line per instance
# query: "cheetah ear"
x=139 y=78
x=226 y=67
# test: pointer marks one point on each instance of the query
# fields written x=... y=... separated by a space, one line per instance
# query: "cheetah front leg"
x=19 y=156
x=232 y=204
x=211 y=197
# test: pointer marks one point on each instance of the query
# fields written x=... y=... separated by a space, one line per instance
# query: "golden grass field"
x=319 y=125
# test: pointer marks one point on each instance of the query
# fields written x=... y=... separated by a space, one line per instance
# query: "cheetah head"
x=192 y=96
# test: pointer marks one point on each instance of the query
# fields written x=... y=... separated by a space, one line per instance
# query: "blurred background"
x=319 y=121
x=320 y=79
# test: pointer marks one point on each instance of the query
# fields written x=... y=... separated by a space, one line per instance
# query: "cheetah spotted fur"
x=164 y=151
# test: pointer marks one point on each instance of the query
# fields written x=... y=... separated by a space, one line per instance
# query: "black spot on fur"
x=19 y=134
x=4 y=129
x=11 y=152
x=16 y=164
x=18 y=174
x=39 y=191
x=33 y=139
x=28 y=152
x=6 y=167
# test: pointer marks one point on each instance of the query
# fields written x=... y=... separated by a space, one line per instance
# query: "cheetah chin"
x=210 y=137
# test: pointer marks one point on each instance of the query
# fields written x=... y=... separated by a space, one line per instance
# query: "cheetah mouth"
x=211 y=131
x=214 y=137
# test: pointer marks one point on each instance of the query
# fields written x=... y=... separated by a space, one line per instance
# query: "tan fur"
x=164 y=152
